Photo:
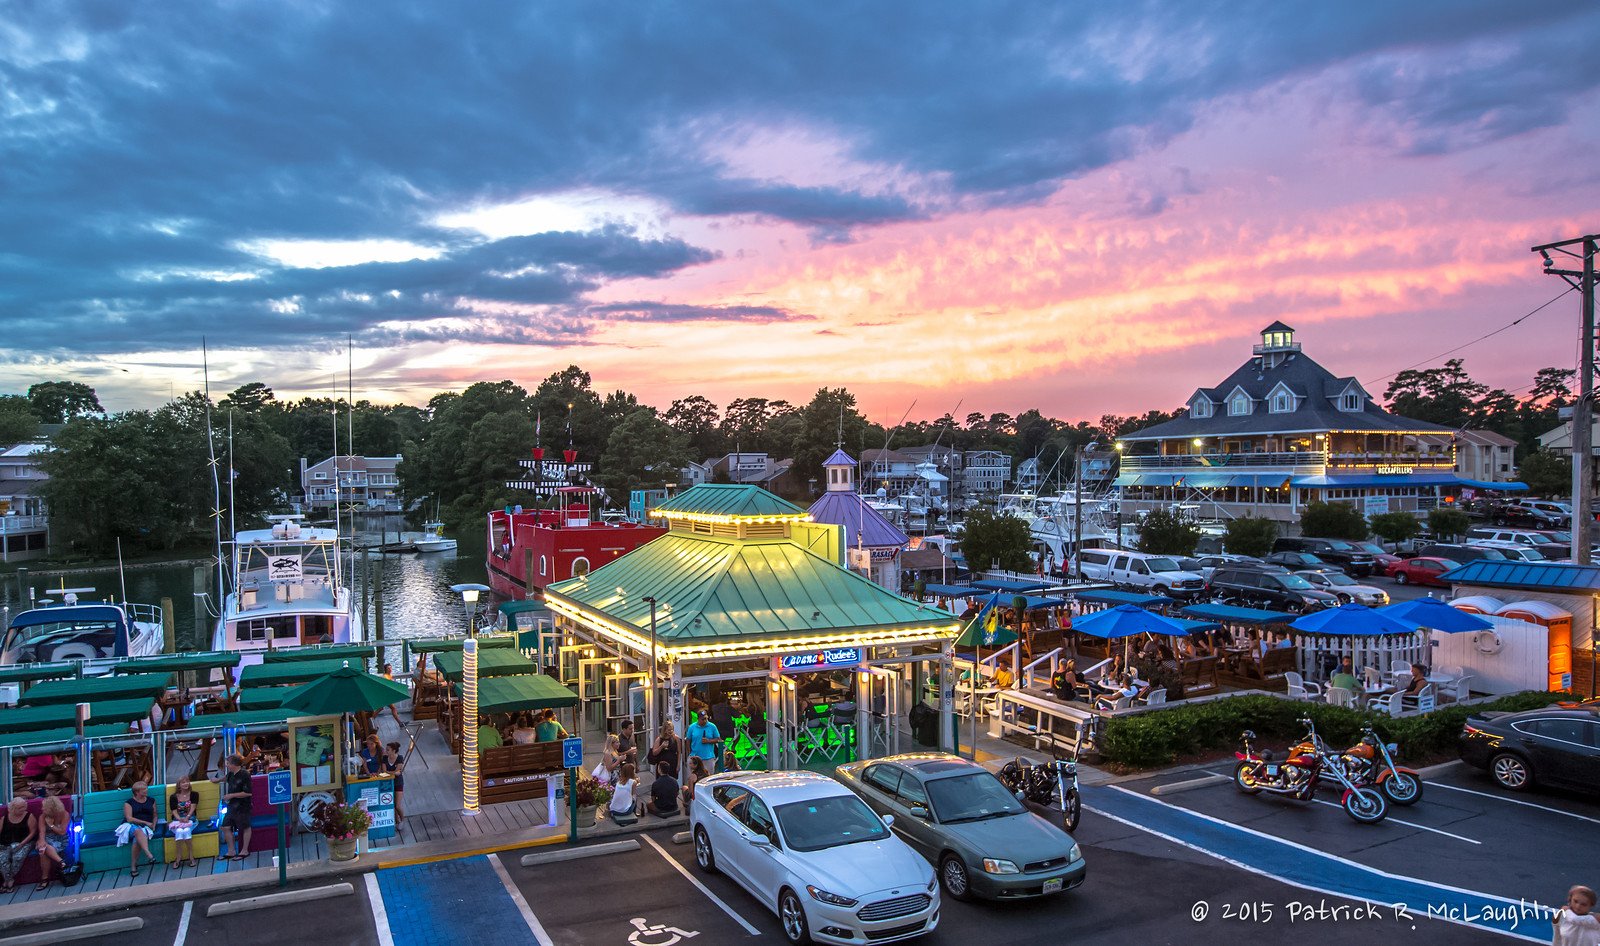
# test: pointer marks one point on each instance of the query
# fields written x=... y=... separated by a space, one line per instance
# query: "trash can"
x=924 y=721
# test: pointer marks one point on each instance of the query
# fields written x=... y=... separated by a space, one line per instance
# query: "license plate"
x=1053 y=886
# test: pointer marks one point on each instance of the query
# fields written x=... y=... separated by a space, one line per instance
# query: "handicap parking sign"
x=279 y=791
x=572 y=753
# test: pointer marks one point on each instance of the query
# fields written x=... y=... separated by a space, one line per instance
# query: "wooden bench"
x=515 y=773
x=1278 y=661
x=1199 y=673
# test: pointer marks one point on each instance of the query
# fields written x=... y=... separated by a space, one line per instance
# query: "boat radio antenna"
x=211 y=451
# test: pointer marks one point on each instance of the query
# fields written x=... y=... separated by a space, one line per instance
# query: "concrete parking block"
x=579 y=853
x=280 y=899
x=128 y=924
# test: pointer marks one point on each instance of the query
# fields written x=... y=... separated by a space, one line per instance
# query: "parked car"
x=1523 y=514
x=812 y=851
x=1155 y=574
x=1461 y=553
x=1421 y=571
x=1210 y=563
x=1269 y=588
x=1355 y=561
x=1557 y=745
x=1300 y=561
x=1560 y=513
x=1380 y=559
x=964 y=821
x=1345 y=588
x=1514 y=551
x=1528 y=537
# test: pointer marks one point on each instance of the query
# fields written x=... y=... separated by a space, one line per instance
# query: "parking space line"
x=183 y=923
x=1409 y=824
x=380 y=913
x=521 y=902
x=1514 y=801
x=699 y=886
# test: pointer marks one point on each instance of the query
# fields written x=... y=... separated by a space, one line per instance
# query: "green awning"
x=43 y=738
x=445 y=645
x=90 y=689
x=509 y=608
x=294 y=671
x=28 y=673
x=260 y=698
x=261 y=717
x=322 y=652
x=172 y=663
x=532 y=691
x=491 y=663
x=56 y=715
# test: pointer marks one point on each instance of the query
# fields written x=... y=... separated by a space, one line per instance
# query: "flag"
x=985 y=629
x=538 y=428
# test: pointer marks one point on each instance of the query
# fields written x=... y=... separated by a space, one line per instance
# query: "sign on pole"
x=572 y=752
x=284 y=568
x=279 y=791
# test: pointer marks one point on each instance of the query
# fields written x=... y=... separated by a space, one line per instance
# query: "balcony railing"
x=1228 y=461
x=14 y=525
x=1263 y=349
x=1400 y=461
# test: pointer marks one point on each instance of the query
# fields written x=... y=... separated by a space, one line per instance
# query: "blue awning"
x=1362 y=480
x=1229 y=614
x=951 y=591
x=1206 y=480
x=1036 y=602
x=1126 y=479
x=1010 y=587
x=1122 y=597
x=1273 y=480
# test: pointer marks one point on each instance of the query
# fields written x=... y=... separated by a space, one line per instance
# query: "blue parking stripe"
x=451 y=901
x=1314 y=870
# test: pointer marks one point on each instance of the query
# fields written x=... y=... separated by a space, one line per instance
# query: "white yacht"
x=288 y=590
x=1056 y=523
x=433 y=539
x=98 y=633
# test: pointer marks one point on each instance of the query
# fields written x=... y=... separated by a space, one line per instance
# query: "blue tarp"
x=1010 y=587
x=1035 y=602
x=952 y=591
x=1123 y=597
x=1228 y=614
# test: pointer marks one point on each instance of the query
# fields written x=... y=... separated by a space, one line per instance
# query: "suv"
x=1354 y=560
x=1517 y=552
x=1156 y=574
x=1461 y=553
x=1537 y=540
x=1272 y=589
x=1299 y=561
x=1530 y=514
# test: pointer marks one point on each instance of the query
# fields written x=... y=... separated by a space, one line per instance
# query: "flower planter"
x=586 y=816
x=343 y=850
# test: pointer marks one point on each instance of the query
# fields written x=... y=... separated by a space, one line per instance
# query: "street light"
x=655 y=714
x=469 y=700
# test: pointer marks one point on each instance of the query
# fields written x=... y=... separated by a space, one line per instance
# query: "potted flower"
x=342 y=825
x=591 y=793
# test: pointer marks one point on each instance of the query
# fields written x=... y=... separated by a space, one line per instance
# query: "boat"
x=433 y=539
x=288 y=590
x=1058 y=531
x=98 y=633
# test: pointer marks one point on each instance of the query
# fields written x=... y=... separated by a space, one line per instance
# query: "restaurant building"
x=1281 y=432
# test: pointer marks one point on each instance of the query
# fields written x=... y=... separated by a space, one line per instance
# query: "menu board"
x=315 y=755
x=377 y=796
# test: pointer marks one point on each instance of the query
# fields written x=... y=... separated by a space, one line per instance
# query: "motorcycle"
x=1298 y=775
x=1371 y=762
x=1052 y=783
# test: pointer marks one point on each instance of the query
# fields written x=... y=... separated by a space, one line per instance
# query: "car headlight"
x=1075 y=854
x=933 y=882
x=999 y=865
x=817 y=893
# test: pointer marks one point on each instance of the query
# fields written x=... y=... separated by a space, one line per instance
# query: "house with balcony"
x=1486 y=455
x=985 y=472
x=24 y=519
x=1281 y=432
x=364 y=482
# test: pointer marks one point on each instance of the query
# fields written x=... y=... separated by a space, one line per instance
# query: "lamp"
x=469 y=598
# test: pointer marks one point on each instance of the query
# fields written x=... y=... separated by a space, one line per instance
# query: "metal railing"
x=1229 y=461
x=10 y=525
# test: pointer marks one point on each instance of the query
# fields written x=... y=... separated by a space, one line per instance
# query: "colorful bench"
x=31 y=868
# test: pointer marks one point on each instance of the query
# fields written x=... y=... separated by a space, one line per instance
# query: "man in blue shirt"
x=704 y=739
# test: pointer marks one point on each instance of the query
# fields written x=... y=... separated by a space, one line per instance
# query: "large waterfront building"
x=1281 y=432
x=367 y=482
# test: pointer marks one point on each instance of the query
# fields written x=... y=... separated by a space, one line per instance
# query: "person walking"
x=139 y=814
x=16 y=833
x=237 y=795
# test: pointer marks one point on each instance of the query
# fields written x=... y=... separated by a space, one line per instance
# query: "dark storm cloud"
x=141 y=144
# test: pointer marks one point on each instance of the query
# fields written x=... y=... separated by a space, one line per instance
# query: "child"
x=1575 y=924
x=180 y=811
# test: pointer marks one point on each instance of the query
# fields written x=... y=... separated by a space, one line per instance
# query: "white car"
x=1345 y=588
x=815 y=854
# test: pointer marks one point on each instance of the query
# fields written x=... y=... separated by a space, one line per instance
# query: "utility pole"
x=1582 y=250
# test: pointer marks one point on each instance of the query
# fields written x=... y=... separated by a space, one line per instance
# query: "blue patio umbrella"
x=1126 y=620
x=1352 y=620
x=1437 y=615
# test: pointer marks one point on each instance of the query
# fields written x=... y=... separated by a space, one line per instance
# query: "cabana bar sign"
x=820 y=659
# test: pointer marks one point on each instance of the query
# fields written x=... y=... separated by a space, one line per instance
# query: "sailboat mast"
x=216 y=487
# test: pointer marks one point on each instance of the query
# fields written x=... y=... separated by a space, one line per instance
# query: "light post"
x=1120 y=447
x=655 y=715
x=469 y=700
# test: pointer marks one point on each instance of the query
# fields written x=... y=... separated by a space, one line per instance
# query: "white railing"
x=10 y=525
x=1028 y=673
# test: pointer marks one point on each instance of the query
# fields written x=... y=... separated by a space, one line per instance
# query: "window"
x=1282 y=404
x=883 y=778
x=580 y=567
x=911 y=791
x=319 y=476
x=759 y=820
x=1350 y=402
x=1200 y=408
x=1239 y=405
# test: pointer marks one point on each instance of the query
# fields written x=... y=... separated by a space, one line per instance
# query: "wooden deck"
x=432 y=806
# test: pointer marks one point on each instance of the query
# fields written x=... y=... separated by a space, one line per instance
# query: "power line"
x=1513 y=323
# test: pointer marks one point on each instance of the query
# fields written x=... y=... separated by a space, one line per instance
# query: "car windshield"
x=1295 y=583
x=1339 y=546
x=1562 y=538
x=1162 y=565
x=829 y=822
x=1372 y=547
x=1337 y=578
x=971 y=798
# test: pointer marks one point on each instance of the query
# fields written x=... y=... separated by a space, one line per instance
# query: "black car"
x=1299 y=562
x=1269 y=588
x=1354 y=560
x=1558 y=746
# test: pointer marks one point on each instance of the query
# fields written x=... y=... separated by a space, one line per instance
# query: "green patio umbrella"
x=346 y=690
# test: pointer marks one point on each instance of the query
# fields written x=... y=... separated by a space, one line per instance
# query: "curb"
x=579 y=853
x=279 y=899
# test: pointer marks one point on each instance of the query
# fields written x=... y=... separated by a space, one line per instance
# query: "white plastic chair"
x=1390 y=704
x=1339 y=696
x=1372 y=678
x=1156 y=697
x=1461 y=689
x=1299 y=689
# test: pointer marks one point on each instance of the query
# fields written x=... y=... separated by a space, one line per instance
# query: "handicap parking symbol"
x=656 y=934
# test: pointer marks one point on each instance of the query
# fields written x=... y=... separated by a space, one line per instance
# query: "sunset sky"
x=1081 y=208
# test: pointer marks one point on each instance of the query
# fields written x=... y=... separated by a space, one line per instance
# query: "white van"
x=1156 y=574
x=1529 y=538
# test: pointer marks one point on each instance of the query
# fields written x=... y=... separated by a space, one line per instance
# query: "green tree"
x=56 y=402
x=1167 y=533
x=1547 y=474
x=696 y=418
x=249 y=398
x=830 y=412
x=1394 y=527
x=989 y=539
x=1250 y=536
x=18 y=422
x=1448 y=523
x=644 y=452
x=469 y=450
x=1333 y=521
x=571 y=411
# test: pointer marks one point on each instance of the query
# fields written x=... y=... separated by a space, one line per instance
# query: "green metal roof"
x=56 y=715
x=321 y=652
x=446 y=645
x=532 y=691
x=205 y=660
x=294 y=671
x=264 y=698
x=728 y=499
x=714 y=590
x=59 y=737
x=500 y=662
x=90 y=689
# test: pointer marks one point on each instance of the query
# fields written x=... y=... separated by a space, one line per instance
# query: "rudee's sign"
x=820 y=659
